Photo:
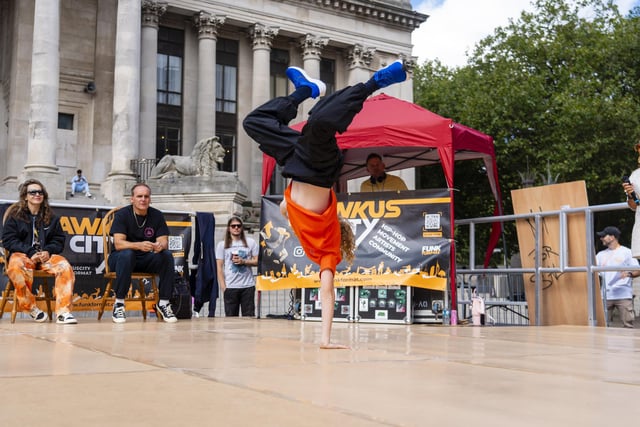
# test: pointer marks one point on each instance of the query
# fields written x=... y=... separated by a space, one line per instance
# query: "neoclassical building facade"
x=110 y=86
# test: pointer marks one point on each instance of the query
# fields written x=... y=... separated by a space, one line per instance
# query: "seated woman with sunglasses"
x=34 y=237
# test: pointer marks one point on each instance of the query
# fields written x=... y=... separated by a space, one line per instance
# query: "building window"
x=228 y=141
x=226 y=85
x=226 y=76
x=65 y=121
x=170 y=66
x=328 y=74
x=169 y=79
x=279 y=84
x=227 y=101
x=168 y=140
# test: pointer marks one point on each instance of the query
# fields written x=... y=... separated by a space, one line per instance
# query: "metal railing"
x=503 y=289
x=505 y=302
x=142 y=168
x=539 y=269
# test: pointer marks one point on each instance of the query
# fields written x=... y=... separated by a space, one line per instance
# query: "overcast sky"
x=455 y=26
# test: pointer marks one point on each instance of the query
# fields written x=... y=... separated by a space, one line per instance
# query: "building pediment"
x=391 y=12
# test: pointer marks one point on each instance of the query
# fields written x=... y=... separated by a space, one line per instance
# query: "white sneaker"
x=165 y=312
x=38 y=315
x=118 y=315
x=66 y=318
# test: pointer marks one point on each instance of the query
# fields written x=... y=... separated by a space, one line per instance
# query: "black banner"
x=402 y=239
x=389 y=304
x=312 y=306
x=84 y=248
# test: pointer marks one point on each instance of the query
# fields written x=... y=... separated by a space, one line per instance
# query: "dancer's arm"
x=327 y=296
x=317 y=199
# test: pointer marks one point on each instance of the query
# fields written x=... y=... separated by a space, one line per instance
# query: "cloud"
x=455 y=26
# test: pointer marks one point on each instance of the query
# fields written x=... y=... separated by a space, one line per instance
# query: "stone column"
x=250 y=160
x=358 y=62
x=126 y=101
x=405 y=90
x=43 y=117
x=207 y=26
x=151 y=13
x=311 y=49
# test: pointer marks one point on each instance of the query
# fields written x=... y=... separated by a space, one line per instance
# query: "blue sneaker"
x=299 y=78
x=392 y=73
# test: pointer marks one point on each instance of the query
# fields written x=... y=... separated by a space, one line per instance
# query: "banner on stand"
x=402 y=239
x=311 y=308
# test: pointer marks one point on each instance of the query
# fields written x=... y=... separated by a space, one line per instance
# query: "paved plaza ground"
x=270 y=372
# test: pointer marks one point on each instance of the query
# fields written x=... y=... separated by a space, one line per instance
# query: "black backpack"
x=181 y=302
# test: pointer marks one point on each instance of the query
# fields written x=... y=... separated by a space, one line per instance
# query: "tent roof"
x=406 y=135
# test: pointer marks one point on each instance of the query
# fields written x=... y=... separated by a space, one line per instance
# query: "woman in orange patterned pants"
x=20 y=272
x=33 y=236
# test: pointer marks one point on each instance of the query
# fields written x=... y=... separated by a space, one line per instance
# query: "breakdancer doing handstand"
x=312 y=159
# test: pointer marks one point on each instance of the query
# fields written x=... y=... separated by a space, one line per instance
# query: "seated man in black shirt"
x=141 y=241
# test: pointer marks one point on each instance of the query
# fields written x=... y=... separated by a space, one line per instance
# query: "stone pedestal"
x=117 y=188
x=222 y=194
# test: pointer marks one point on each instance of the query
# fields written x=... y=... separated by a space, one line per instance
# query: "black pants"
x=240 y=298
x=127 y=261
x=310 y=156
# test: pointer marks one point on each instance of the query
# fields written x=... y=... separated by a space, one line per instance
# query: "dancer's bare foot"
x=332 y=346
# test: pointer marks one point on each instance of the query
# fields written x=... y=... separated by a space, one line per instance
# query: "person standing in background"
x=618 y=284
x=631 y=189
x=234 y=258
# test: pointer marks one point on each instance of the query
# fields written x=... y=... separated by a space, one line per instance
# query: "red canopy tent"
x=407 y=135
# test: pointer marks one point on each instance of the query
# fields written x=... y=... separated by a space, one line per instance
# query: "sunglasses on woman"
x=35 y=192
x=235 y=225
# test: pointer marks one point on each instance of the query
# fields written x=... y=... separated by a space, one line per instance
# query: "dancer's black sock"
x=371 y=85
x=300 y=94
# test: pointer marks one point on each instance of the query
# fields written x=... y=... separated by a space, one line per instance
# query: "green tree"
x=559 y=86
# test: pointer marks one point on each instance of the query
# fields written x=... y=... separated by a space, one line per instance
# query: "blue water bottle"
x=446 y=317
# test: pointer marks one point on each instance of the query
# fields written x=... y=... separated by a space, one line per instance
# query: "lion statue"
x=203 y=161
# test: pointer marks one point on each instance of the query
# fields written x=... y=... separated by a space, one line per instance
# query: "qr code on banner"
x=175 y=243
x=432 y=222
